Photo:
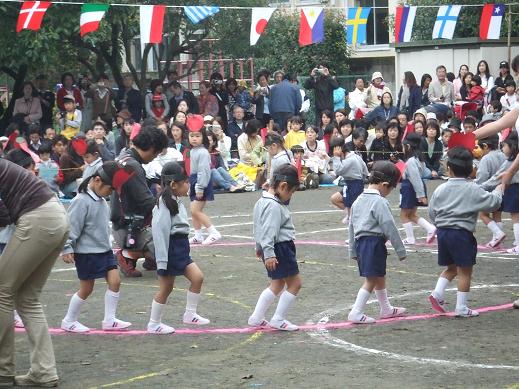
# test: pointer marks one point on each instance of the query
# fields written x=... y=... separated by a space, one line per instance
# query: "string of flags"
x=311 y=25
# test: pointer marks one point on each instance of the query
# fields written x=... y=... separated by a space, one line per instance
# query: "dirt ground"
x=425 y=352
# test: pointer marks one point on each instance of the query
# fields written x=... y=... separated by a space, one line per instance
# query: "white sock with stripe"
x=74 y=307
x=111 y=301
x=408 y=228
x=360 y=303
x=265 y=300
x=383 y=301
x=285 y=301
x=157 y=310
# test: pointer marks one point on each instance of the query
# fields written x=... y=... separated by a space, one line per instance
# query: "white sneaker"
x=212 y=238
x=393 y=312
x=18 y=323
x=194 y=318
x=436 y=304
x=257 y=323
x=431 y=237
x=346 y=220
x=159 y=329
x=116 y=325
x=283 y=325
x=408 y=242
x=74 y=326
x=516 y=304
x=496 y=239
x=513 y=250
x=360 y=318
x=466 y=312
x=196 y=240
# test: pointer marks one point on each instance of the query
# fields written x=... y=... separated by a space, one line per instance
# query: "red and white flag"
x=152 y=23
x=260 y=18
x=31 y=15
x=490 y=23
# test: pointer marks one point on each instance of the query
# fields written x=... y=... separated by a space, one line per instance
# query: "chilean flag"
x=491 y=18
x=404 y=23
x=152 y=23
x=311 y=26
x=259 y=19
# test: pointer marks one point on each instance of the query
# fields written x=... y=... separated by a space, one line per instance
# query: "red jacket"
x=62 y=92
x=477 y=94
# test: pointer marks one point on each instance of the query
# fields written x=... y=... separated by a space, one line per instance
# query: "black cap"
x=456 y=123
x=173 y=171
x=504 y=64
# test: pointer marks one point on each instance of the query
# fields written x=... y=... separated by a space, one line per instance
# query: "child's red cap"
x=195 y=123
x=467 y=140
x=80 y=146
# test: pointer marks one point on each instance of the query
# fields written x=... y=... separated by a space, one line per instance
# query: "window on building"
x=377 y=30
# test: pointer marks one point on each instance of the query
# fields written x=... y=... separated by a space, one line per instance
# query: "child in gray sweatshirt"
x=274 y=235
x=371 y=225
x=490 y=163
x=454 y=209
x=89 y=248
x=170 y=228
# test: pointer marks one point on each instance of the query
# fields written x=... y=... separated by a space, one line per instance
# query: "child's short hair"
x=328 y=130
x=384 y=171
x=390 y=125
x=277 y=129
x=253 y=126
x=274 y=138
x=34 y=129
x=92 y=147
x=296 y=119
x=297 y=149
x=477 y=79
x=45 y=148
x=496 y=104
x=359 y=132
x=491 y=141
x=285 y=173
x=337 y=141
x=345 y=122
x=510 y=83
x=469 y=120
x=60 y=138
x=460 y=161
x=20 y=157
x=313 y=128
x=445 y=130
x=381 y=125
x=434 y=125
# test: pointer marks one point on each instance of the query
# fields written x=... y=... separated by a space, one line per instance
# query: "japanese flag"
x=259 y=20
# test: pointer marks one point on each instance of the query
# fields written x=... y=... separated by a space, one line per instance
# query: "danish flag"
x=31 y=15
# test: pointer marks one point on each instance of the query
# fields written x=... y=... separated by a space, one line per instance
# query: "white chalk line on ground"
x=324 y=336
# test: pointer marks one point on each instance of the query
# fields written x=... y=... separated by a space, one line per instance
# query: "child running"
x=274 y=234
x=201 y=185
x=413 y=191
x=371 y=225
x=491 y=162
x=454 y=210
x=352 y=168
x=89 y=247
x=170 y=228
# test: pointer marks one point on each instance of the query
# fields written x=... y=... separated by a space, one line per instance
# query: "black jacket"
x=136 y=197
x=432 y=163
x=323 y=86
x=131 y=100
x=190 y=99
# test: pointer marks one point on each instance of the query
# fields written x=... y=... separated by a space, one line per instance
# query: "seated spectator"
x=223 y=142
x=49 y=134
x=357 y=98
x=409 y=96
x=346 y=127
x=22 y=158
x=248 y=140
x=418 y=127
x=34 y=137
x=27 y=109
x=155 y=102
x=236 y=126
x=375 y=91
x=477 y=92
x=358 y=143
x=180 y=117
x=71 y=164
x=465 y=87
x=59 y=147
x=177 y=136
x=391 y=147
x=432 y=149
x=494 y=111
x=70 y=119
x=179 y=94
x=92 y=158
x=105 y=145
x=326 y=119
x=207 y=101
x=48 y=170
x=377 y=148
x=384 y=111
x=296 y=134
x=509 y=99
x=340 y=115
x=315 y=156
x=123 y=140
x=219 y=174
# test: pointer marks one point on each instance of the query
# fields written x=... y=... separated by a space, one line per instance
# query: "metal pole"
x=509 y=40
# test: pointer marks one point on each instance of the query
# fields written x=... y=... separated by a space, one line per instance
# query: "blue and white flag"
x=446 y=21
x=196 y=13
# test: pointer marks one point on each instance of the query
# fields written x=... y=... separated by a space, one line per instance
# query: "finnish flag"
x=446 y=21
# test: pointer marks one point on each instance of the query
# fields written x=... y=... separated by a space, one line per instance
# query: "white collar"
x=372 y=191
x=268 y=195
x=96 y=162
x=92 y=194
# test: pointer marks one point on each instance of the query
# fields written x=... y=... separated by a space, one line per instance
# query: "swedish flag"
x=356 y=25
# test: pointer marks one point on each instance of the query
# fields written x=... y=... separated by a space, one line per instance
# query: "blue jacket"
x=380 y=113
x=285 y=97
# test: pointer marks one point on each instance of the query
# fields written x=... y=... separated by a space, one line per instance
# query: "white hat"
x=3 y=139
x=431 y=115
x=208 y=118
x=377 y=75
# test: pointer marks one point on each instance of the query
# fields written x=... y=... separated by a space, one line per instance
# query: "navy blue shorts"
x=371 y=256
x=92 y=266
x=511 y=199
x=456 y=246
x=408 y=198
x=287 y=263
x=178 y=256
x=2 y=247
x=352 y=189
x=208 y=191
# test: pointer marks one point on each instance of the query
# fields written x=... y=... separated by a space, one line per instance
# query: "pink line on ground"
x=298 y=242
x=304 y=327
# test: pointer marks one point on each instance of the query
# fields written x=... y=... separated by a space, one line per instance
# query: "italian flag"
x=91 y=15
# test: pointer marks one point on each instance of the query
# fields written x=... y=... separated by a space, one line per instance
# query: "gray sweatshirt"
x=91 y=168
x=456 y=204
x=89 y=217
x=495 y=180
x=413 y=172
x=272 y=224
x=280 y=159
x=201 y=166
x=489 y=165
x=371 y=216
x=163 y=225
x=352 y=167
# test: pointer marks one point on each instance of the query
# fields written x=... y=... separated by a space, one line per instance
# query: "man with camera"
x=132 y=204
x=324 y=84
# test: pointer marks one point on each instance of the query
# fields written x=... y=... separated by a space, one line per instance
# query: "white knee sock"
x=492 y=226
x=265 y=300
x=74 y=307
x=285 y=301
x=360 y=302
x=516 y=233
x=212 y=229
x=426 y=225
x=461 y=300
x=500 y=225
x=111 y=301
x=198 y=233
x=383 y=301
x=439 y=290
x=408 y=228
x=157 y=310
x=192 y=301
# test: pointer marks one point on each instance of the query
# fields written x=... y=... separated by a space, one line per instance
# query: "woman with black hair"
x=156 y=94
x=487 y=81
x=424 y=85
x=409 y=96
x=261 y=97
x=432 y=148
x=68 y=88
x=27 y=109
x=217 y=89
x=385 y=111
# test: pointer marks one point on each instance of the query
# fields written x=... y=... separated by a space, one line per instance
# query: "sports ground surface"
x=421 y=350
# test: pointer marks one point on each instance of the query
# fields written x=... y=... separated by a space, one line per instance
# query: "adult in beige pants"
x=41 y=231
